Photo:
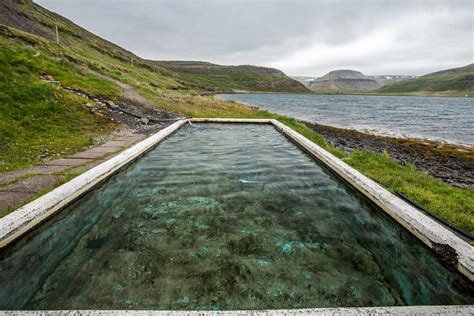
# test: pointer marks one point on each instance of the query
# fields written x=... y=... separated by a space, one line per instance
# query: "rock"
x=145 y=120
x=111 y=104
x=49 y=78
x=89 y=106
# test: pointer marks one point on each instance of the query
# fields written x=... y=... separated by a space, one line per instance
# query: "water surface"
x=178 y=229
x=437 y=118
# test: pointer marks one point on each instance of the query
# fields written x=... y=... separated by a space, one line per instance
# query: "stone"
x=33 y=184
x=111 y=104
x=115 y=143
x=12 y=199
x=145 y=120
x=67 y=162
x=13 y=175
x=96 y=152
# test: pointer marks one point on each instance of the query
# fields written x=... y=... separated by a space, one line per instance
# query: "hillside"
x=451 y=82
x=40 y=120
x=344 y=80
x=37 y=119
x=32 y=18
x=232 y=78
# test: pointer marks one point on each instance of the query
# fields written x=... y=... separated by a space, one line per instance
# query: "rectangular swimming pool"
x=223 y=217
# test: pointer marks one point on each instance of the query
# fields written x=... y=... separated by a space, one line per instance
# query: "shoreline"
x=354 y=93
x=450 y=163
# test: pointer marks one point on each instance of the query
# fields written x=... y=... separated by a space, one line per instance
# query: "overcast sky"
x=299 y=37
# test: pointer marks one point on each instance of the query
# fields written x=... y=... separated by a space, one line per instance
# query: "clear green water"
x=178 y=230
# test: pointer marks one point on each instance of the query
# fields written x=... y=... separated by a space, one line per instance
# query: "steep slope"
x=456 y=81
x=344 y=80
x=233 y=78
x=38 y=120
x=32 y=18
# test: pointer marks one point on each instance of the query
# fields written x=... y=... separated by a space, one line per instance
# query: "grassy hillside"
x=213 y=77
x=451 y=82
x=36 y=116
x=29 y=17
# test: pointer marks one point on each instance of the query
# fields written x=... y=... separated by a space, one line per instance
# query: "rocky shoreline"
x=447 y=162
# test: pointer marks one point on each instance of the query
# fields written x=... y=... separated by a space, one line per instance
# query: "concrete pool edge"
x=434 y=235
x=400 y=310
x=430 y=232
x=20 y=221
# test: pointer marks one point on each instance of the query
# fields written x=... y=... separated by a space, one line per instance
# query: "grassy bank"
x=39 y=120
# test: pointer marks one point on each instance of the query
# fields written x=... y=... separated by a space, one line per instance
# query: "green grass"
x=37 y=117
x=454 y=204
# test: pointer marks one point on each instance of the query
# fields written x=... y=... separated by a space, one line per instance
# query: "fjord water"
x=222 y=217
x=437 y=118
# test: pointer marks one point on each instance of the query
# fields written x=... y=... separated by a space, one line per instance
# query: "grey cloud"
x=299 y=37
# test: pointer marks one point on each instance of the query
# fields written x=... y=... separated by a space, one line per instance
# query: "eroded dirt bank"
x=449 y=163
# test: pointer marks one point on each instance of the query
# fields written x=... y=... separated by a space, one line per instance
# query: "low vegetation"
x=38 y=119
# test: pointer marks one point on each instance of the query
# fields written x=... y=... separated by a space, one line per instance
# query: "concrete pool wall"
x=441 y=240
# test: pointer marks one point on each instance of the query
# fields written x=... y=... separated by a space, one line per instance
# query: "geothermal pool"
x=223 y=217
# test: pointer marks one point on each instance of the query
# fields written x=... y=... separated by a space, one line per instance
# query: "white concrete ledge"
x=25 y=218
x=339 y=311
x=230 y=120
x=430 y=232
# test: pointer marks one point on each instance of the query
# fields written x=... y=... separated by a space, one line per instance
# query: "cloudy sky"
x=297 y=36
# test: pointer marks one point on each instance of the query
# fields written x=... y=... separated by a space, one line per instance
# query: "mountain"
x=344 y=80
x=233 y=78
x=29 y=17
x=450 y=82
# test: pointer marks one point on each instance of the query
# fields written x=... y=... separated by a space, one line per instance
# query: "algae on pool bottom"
x=178 y=229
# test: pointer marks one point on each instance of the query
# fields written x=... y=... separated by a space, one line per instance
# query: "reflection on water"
x=223 y=217
x=438 y=118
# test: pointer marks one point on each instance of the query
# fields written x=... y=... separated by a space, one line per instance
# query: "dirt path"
x=129 y=94
x=21 y=186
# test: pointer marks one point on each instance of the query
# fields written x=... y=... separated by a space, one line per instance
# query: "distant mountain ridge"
x=226 y=78
x=344 y=80
x=450 y=82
